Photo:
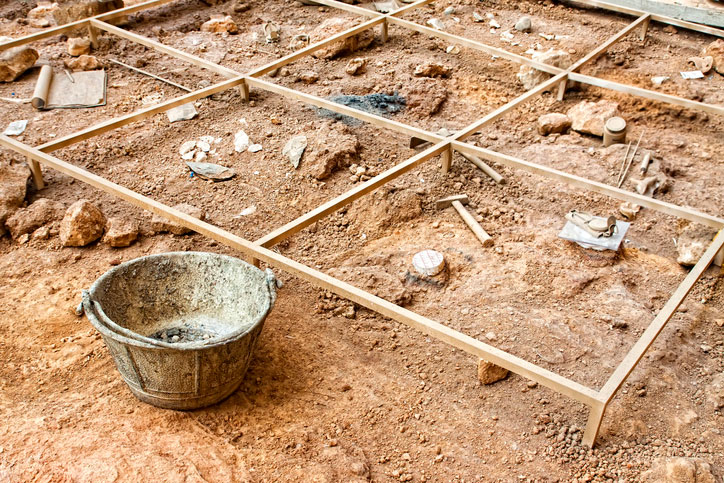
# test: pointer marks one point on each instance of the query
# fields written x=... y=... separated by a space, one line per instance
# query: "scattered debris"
x=432 y=69
x=78 y=46
x=660 y=79
x=214 y=172
x=716 y=51
x=356 y=66
x=271 y=32
x=42 y=15
x=590 y=117
x=436 y=23
x=120 y=232
x=82 y=224
x=478 y=18
x=457 y=202
x=494 y=23
x=16 y=128
x=160 y=224
x=553 y=123
x=428 y=263
x=489 y=373
x=220 y=24
x=15 y=61
x=449 y=10
x=334 y=146
x=334 y=26
x=693 y=74
x=453 y=49
x=241 y=142
x=40 y=213
x=247 y=211
x=184 y=112
x=523 y=24
x=294 y=149
x=83 y=63
x=704 y=64
x=531 y=77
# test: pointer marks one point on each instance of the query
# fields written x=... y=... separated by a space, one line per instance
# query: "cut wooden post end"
x=446 y=160
x=593 y=425
x=36 y=172
x=384 y=33
x=93 y=34
x=645 y=29
x=562 y=89
x=244 y=91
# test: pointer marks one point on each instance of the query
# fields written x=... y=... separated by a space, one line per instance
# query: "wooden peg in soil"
x=457 y=202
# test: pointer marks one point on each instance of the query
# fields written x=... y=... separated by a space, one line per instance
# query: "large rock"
x=82 y=63
x=220 y=25
x=531 y=77
x=15 y=61
x=334 y=146
x=553 y=123
x=120 y=232
x=489 y=373
x=590 y=117
x=160 y=224
x=26 y=220
x=13 y=187
x=82 y=224
x=72 y=10
x=692 y=244
x=424 y=97
x=716 y=50
x=333 y=26
x=679 y=470
x=78 y=46
x=42 y=15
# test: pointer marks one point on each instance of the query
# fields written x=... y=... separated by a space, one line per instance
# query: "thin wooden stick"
x=623 y=165
x=630 y=161
x=151 y=75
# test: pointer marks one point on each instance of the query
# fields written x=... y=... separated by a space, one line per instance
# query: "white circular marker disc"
x=428 y=262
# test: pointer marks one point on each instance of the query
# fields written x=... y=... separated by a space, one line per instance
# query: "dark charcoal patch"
x=380 y=104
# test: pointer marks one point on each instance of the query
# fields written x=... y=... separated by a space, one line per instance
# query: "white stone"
x=182 y=113
x=255 y=148
x=186 y=147
x=294 y=149
x=241 y=142
x=204 y=146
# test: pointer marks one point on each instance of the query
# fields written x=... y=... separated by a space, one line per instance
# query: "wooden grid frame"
x=260 y=250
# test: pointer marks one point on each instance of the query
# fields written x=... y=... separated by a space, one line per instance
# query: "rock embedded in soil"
x=42 y=15
x=78 y=46
x=70 y=11
x=334 y=146
x=83 y=63
x=184 y=112
x=553 y=123
x=294 y=149
x=356 y=66
x=715 y=390
x=523 y=24
x=590 y=117
x=13 y=188
x=120 y=232
x=679 y=470
x=424 y=97
x=15 y=61
x=40 y=213
x=82 y=224
x=432 y=69
x=716 y=51
x=489 y=373
x=531 y=77
x=692 y=243
x=160 y=224
x=333 y=26
x=220 y=24
x=309 y=77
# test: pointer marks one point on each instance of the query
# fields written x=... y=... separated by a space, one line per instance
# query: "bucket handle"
x=271 y=282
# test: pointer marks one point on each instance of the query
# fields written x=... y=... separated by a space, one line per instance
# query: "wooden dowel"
x=474 y=226
x=484 y=167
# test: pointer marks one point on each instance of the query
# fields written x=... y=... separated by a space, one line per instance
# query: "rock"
x=219 y=25
x=187 y=147
x=715 y=391
x=704 y=64
x=356 y=66
x=160 y=224
x=78 y=46
x=590 y=117
x=678 y=470
x=83 y=63
x=432 y=69
x=294 y=149
x=424 y=97
x=38 y=214
x=531 y=77
x=211 y=171
x=241 y=142
x=255 y=148
x=334 y=26
x=670 y=29
x=120 y=232
x=692 y=243
x=184 y=112
x=523 y=24
x=553 y=123
x=309 y=77
x=82 y=224
x=42 y=15
x=13 y=186
x=79 y=9
x=15 y=61
x=334 y=146
x=489 y=373
x=436 y=24
x=716 y=51
x=16 y=128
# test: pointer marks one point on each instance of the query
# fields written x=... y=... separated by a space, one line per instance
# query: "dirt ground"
x=334 y=391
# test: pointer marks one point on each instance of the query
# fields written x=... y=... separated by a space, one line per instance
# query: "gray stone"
x=182 y=113
x=294 y=149
x=523 y=24
x=590 y=117
x=211 y=171
x=82 y=224
x=15 y=61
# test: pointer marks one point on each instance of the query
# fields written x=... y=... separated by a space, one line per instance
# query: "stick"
x=151 y=75
x=628 y=166
x=474 y=226
x=484 y=168
x=623 y=164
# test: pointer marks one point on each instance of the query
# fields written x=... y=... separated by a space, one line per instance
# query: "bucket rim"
x=107 y=327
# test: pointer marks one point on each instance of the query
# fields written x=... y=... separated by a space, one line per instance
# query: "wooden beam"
x=409 y=7
x=373 y=119
x=158 y=46
x=662 y=318
x=645 y=93
x=365 y=12
x=357 y=192
x=573 y=180
x=111 y=124
x=36 y=172
x=446 y=160
x=265 y=69
x=593 y=425
x=61 y=29
x=601 y=49
x=388 y=309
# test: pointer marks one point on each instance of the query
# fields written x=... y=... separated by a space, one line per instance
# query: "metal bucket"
x=181 y=327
